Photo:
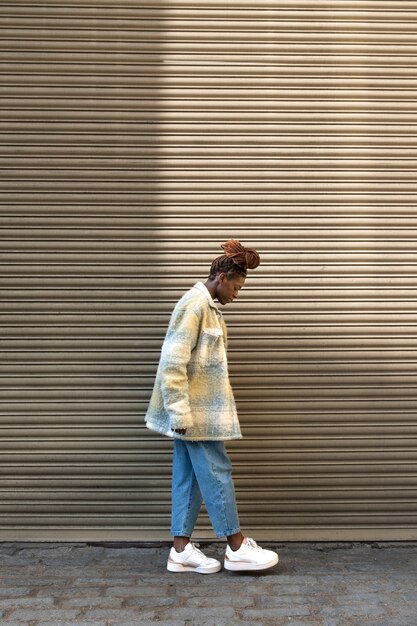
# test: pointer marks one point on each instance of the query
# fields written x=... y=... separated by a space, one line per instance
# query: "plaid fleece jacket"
x=192 y=388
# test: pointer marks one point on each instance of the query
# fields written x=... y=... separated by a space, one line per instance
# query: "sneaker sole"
x=236 y=566
x=178 y=567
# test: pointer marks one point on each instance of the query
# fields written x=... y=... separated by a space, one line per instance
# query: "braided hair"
x=235 y=261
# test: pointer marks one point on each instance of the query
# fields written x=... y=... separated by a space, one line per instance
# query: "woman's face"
x=228 y=288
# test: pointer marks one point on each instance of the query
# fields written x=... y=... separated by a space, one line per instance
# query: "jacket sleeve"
x=181 y=339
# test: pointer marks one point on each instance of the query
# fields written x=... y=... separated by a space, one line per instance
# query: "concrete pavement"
x=315 y=584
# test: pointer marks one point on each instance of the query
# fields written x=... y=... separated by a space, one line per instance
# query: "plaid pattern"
x=192 y=388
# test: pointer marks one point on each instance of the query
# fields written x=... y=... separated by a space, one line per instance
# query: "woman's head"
x=228 y=271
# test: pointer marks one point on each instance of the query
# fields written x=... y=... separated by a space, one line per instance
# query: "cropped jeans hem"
x=226 y=533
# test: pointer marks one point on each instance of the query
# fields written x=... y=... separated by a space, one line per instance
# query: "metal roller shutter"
x=137 y=137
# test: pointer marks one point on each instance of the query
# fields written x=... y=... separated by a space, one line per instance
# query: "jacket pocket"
x=211 y=350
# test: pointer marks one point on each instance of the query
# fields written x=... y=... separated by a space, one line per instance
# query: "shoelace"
x=252 y=544
x=195 y=547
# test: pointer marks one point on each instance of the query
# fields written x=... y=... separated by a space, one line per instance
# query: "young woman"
x=193 y=402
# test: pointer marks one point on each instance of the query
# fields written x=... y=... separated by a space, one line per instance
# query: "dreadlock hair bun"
x=236 y=259
x=244 y=257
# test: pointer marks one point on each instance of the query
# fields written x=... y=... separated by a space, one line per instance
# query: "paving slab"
x=122 y=584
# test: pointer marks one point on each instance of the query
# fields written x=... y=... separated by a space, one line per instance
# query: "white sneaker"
x=250 y=556
x=191 y=559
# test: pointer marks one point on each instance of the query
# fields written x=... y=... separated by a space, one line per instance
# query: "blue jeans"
x=202 y=470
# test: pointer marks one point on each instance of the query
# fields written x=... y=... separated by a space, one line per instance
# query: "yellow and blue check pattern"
x=192 y=388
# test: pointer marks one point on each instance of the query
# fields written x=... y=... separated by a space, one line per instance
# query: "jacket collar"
x=201 y=287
